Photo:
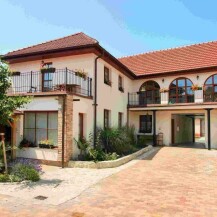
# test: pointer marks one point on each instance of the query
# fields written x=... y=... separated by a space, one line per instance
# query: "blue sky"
x=123 y=27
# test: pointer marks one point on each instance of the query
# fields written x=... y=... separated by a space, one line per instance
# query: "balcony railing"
x=140 y=99
x=51 y=81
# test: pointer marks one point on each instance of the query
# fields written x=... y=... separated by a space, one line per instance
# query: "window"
x=120 y=83
x=41 y=125
x=47 y=77
x=149 y=93
x=107 y=79
x=120 y=119
x=180 y=91
x=145 y=124
x=81 y=126
x=210 y=89
x=106 y=118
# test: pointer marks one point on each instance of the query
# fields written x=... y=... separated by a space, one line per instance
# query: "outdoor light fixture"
x=163 y=80
x=197 y=77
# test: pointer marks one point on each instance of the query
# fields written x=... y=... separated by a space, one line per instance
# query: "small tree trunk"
x=4 y=151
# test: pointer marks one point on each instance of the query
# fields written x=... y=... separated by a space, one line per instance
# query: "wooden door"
x=172 y=131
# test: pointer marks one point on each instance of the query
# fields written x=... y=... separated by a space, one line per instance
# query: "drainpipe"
x=95 y=102
x=63 y=129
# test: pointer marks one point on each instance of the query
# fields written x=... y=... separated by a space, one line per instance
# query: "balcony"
x=140 y=99
x=51 y=81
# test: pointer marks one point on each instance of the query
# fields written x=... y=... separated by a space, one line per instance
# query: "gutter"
x=95 y=101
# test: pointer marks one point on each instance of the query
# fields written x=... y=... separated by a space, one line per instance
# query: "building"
x=78 y=85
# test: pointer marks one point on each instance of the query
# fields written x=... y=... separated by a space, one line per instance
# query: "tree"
x=8 y=104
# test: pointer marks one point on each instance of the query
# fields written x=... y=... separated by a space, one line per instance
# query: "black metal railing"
x=50 y=81
x=140 y=99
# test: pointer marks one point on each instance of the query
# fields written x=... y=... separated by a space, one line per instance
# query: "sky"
x=123 y=27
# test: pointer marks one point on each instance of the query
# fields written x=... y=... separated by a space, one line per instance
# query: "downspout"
x=63 y=129
x=95 y=102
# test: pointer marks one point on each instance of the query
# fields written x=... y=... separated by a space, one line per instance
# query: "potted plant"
x=45 y=69
x=46 y=143
x=195 y=87
x=80 y=73
x=26 y=144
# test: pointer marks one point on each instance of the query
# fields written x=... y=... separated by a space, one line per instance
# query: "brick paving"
x=171 y=182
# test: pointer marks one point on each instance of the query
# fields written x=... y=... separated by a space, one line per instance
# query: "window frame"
x=177 y=94
x=120 y=119
x=107 y=76
x=146 y=124
x=81 y=125
x=35 y=124
x=145 y=94
x=213 y=85
x=120 y=83
x=106 y=116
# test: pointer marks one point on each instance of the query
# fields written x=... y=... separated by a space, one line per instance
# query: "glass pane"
x=215 y=89
x=215 y=79
x=52 y=121
x=215 y=97
x=181 y=99
x=188 y=83
x=53 y=136
x=41 y=134
x=208 y=89
x=29 y=134
x=209 y=80
x=181 y=91
x=41 y=120
x=172 y=91
x=29 y=120
x=174 y=83
x=172 y=100
x=181 y=83
x=190 y=98
x=189 y=90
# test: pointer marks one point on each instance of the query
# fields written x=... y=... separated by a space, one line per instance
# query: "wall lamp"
x=163 y=80
x=198 y=77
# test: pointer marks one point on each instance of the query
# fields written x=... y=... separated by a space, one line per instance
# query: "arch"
x=210 y=89
x=180 y=91
x=149 y=92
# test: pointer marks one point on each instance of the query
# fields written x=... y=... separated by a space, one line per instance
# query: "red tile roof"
x=72 y=41
x=176 y=59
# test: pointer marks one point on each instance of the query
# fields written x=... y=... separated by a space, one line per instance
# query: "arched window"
x=210 y=89
x=180 y=91
x=149 y=93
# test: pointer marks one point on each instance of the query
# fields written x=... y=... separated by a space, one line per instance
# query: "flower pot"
x=41 y=145
x=45 y=70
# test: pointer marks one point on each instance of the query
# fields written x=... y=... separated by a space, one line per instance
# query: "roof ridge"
x=167 y=49
x=53 y=41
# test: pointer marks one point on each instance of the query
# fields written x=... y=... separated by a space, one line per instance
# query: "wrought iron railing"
x=50 y=81
x=140 y=99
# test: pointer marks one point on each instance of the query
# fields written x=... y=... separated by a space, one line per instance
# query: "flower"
x=196 y=87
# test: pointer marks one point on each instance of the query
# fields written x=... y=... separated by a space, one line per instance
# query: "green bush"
x=23 y=172
x=119 y=140
x=4 y=178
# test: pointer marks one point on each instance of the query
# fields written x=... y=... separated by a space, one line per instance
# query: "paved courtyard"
x=171 y=181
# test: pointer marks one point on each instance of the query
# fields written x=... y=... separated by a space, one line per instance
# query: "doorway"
x=188 y=130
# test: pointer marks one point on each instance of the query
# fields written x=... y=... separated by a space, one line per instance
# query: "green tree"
x=8 y=104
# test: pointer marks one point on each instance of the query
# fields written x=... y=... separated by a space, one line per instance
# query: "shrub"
x=4 y=178
x=27 y=162
x=24 y=172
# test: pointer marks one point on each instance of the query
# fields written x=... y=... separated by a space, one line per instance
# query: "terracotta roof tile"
x=75 y=40
x=174 y=59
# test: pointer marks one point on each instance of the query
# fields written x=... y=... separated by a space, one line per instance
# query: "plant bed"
x=110 y=163
x=22 y=170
